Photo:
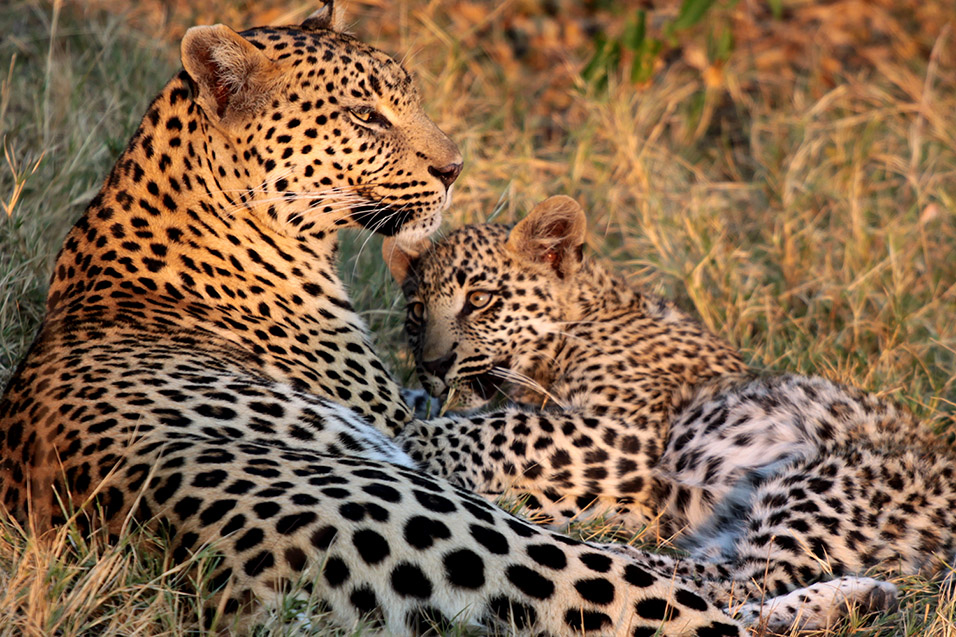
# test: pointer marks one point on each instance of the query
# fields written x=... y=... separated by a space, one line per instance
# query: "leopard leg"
x=382 y=544
x=812 y=607
x=575 y=464
x=821 y=605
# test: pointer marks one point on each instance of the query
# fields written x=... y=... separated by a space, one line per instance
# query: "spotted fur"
x=770 y=482
x=200 y=368
x=608 y=362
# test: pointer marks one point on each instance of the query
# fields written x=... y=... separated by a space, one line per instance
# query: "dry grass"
x=809 y=216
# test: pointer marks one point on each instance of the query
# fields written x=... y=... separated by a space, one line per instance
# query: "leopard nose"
x=446 y=174
x=440 y=366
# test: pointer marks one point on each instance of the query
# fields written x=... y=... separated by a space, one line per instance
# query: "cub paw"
x=422 y=403
x=821 y=605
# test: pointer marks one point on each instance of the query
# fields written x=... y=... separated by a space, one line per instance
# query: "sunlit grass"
x=811 y=224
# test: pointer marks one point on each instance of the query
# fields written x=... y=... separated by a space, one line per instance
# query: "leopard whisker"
x=335 y=192
x=262 y=187
x=371 y=232
x=340 y=202
x=518 y=378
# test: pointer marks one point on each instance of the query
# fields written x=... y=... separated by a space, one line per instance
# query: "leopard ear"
x=325 y=17
x=402 y=258
x=553 y=233
x=230 y=74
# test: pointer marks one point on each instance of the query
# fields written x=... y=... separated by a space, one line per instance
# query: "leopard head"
x=318 y=130
x=485 y=305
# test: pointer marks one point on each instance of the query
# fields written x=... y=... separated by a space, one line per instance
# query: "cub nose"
x=446 y=174
x=440 y=366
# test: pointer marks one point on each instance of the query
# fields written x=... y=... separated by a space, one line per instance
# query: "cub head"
x=486 y=303
x=317 y=129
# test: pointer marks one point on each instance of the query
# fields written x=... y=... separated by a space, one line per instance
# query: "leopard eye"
x=368 y=115
x=416 y=311
x=479 y=299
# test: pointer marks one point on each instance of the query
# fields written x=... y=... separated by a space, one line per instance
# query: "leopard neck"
x=694 y=354
x=597 y=293
x=171 y=244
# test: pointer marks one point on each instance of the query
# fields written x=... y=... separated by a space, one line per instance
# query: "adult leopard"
x=776 y=482
x=200 y=368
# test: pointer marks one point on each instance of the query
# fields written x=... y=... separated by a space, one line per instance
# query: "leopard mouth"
x=383 y=218
x=487 y=384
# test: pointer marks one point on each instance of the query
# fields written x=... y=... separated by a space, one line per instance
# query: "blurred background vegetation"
x=787 y=168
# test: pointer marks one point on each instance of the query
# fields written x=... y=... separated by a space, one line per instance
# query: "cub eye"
x=479 y=299
x=368 y=115
x=416 y=311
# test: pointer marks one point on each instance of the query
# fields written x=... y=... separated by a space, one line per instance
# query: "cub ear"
x=553 y=233
x=325 y=17
x=402 y=258
x=230 y=73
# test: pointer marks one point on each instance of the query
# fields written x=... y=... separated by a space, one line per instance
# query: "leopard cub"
x=771 y=482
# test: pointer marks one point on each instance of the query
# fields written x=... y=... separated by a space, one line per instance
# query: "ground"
x=792 y=179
